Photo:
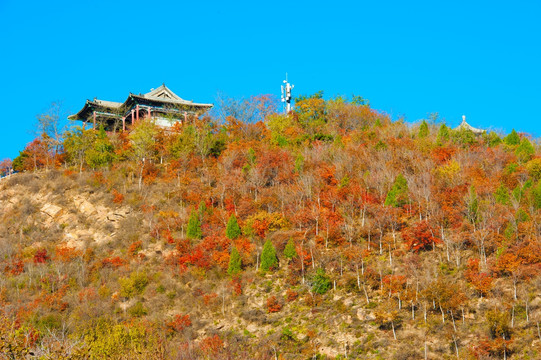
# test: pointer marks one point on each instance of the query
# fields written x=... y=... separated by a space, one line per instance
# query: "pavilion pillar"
x=132 y=117
x=185 y=117
x=148 y=112
x=94 y=119
x=137 y=112
x=123 y=123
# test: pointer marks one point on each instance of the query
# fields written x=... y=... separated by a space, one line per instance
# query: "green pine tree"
x=502 y=195
x=232 y=230
x=443 y=134
x=235 y=262
x=512 y=139
x=525 y=150
x=290 y=252
x=492 y=139
x=473 y=206
x=536 y=196
x=321 y=283
x=398 y=195
x=202 y=208
x=269 y=260
x=423 y=130
x=194 y=226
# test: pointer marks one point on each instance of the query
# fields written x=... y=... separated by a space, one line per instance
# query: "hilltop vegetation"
x=330 y=232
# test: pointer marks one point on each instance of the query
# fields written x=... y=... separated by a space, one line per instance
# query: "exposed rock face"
x=84 y=206
x=52 y=210
x=82 y=217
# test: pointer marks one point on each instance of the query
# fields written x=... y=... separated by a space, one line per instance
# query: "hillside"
x=329 y=233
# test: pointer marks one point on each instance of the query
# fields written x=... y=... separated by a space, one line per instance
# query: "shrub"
x=41 y=257
x=291 y=295
x=106 y=340
x=118 y=197
x=498 y=322
x=114 y=262
x=212 y=345
x=178 y=323
x=137 y=310
x=287 y=334
x=273 y=305
x=134 y=285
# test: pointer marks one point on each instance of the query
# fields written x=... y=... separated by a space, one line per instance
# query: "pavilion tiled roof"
x=465 y=126
x=161 y=95
x=164 y=94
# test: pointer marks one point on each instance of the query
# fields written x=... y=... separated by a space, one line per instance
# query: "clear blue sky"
x=409 y=58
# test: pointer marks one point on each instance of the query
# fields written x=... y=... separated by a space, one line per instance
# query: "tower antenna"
x=286 y=94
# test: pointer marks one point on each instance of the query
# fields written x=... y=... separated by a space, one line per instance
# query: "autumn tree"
x=5 y=167
x=420 y=236
x=76 y=144
x=101 y=152
x=50 y=128
x=142 y=144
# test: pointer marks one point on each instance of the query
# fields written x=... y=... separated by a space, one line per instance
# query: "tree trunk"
x=513 y=316
x=358 y=278
x=366 y=295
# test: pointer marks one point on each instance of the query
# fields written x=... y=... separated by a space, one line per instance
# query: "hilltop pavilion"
x=161 y=104
x=465 y=126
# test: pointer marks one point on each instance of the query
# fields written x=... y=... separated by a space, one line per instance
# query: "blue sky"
x=478 y=58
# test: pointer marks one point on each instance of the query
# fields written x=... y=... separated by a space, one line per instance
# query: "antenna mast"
x=286 y=94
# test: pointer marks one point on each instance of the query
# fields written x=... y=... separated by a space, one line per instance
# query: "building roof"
x=160 y=97
x=164 y=94
x=465 y=126
x=105 y=103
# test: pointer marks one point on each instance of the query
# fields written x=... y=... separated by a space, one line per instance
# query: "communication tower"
x=286 y=94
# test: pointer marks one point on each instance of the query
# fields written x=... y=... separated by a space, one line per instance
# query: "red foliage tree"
x=420 y=237
x=482 y=282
